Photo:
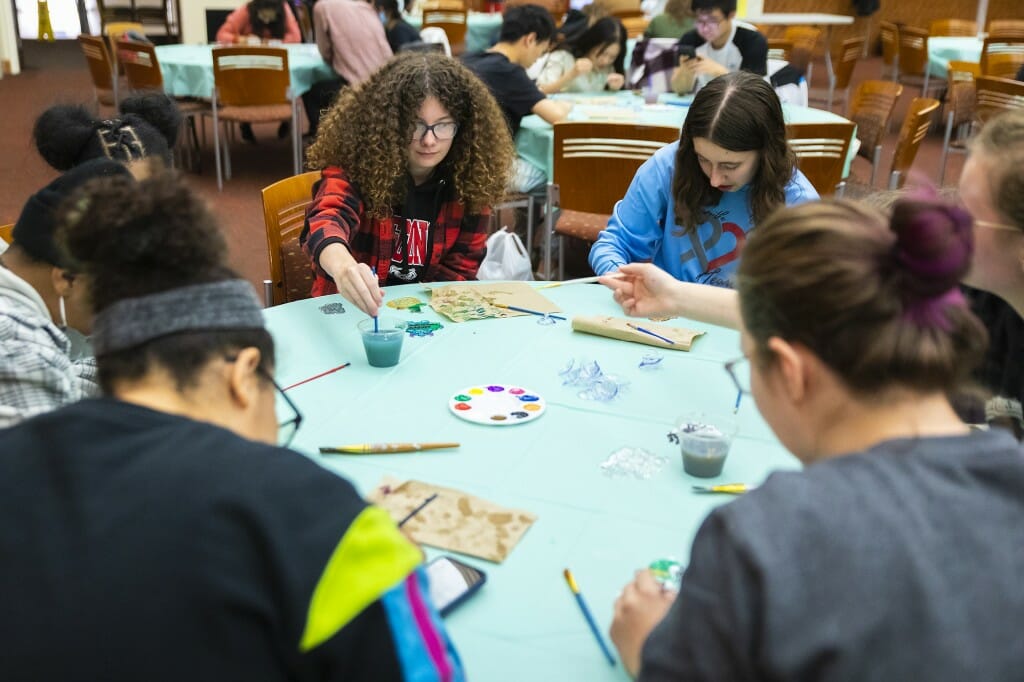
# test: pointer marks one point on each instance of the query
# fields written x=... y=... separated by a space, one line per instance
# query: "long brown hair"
x=739 y=112
x=368 y=131
x=876 y=299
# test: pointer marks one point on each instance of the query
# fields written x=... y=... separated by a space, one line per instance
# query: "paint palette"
x=497 y=404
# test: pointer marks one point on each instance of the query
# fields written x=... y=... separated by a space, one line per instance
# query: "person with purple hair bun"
x=888 y=557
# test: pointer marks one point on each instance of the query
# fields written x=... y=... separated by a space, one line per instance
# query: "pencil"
x=527 y=310
x=417 y=510
x=316 y=376
x=650 y=333
x=586 y=614
x=383 y=448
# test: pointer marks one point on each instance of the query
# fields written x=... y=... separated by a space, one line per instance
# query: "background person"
x=397 y=30
x=673 y=22
x=159 y=530
x=405 y=197
x=691 y=206
x=591 y=61
x=855 y=332
x=263 y=19
x=721 y=47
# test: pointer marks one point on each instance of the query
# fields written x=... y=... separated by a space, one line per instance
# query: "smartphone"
x=687 y=52
x=452 y=582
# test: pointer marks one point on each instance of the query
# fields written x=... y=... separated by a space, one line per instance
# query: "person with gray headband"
x=159 y=532
x=40 y=302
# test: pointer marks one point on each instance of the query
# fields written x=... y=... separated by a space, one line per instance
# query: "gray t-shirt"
x=904 y=562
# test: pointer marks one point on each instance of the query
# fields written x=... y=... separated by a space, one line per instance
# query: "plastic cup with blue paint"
x=383 y=345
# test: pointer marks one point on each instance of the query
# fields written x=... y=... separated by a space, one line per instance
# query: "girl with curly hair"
x=691 y=205
x=411 y=161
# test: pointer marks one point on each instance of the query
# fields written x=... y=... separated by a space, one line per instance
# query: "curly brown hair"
x=368 y=131
x=739 y=112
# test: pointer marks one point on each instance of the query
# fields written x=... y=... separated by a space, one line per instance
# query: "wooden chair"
x=850 y=53
x=635 y=26
x=7 y=233
x=452 y=22
x=821 y=150
x=1006 y=28
x=101 y=69
x=594 y=163
x=960 y=109
x=805 y=44
x=252 y=85
x=1002 y=57
x=889 y=33
x=142 y=72
x=780 y=49
x=871 y=110
x=915 y=127
x=953 y=27
x=284 y=214
x=914 y=59
x=996 y=95
x=115 y=31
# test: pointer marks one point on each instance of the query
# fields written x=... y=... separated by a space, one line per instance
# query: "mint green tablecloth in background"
x=188 y=69
x=481 y=29
x=524 y=624
x=943 y=49
x=535 y=140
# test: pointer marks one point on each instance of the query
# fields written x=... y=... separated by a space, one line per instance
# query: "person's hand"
x=616 y=81
x=357 y=284
x=689 y=64
x=709 y=67
x=642 y=289
x=641 y=606
x=582 y=66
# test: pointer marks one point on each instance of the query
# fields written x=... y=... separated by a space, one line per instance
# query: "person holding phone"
x=720 y=46
x=159 y=532
x=691 y=206
x=886 y=558
x=590 y=61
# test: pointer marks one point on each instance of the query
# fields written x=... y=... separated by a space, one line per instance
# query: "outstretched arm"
x=643 y=290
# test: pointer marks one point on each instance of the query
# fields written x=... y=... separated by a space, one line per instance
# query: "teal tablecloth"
x=188 y=69
x=944 y=49
x=481 y=29
x=524 y=624
x=535 y=140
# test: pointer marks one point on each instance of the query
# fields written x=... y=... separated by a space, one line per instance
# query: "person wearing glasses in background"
x=719 y=46
x=159 y=531
x=886 y=558
x=411 y=162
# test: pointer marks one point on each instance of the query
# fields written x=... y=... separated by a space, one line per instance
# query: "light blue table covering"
x=524 y=624
x=944 y=49
x=188 y=69
x=481 y=28
x=535 y=140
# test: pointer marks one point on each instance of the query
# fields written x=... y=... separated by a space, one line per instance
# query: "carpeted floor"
x=56 y=72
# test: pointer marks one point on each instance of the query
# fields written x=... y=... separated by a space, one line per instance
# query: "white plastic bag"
x=506 y=258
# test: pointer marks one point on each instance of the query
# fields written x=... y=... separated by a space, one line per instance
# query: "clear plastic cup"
x=704 y=441
x=384 y=346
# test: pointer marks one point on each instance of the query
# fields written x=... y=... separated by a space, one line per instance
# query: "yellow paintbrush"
x=726 y=488
x=384 y=448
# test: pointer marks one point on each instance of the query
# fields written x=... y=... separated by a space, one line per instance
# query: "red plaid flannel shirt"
x=337 y=214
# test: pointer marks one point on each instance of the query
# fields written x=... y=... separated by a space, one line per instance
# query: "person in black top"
x=399 y=31
x=159 y=533
x=526 y=34
x=720 y=46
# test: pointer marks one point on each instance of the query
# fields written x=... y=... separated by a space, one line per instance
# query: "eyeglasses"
x=739 y=368
x=287 y=429
x=997 y=226
x=442 y=131
x=709 y=22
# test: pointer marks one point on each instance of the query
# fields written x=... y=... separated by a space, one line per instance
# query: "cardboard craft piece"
x=454 y=520
x=618 y=328
x=462 y=302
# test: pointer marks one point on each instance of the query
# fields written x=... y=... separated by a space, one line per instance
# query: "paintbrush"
x=527 y=310
x=384 y=448
x=726 y=488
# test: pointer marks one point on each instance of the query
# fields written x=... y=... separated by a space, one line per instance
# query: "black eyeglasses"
x=287 y=429
x=444 y=130
x=731 y=367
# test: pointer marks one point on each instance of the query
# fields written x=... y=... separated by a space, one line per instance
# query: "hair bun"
x=934 y=243
x=61 y=133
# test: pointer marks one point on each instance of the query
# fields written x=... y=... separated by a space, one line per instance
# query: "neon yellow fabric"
x=371 y=558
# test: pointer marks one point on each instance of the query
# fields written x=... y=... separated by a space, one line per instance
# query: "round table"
x=524 y=624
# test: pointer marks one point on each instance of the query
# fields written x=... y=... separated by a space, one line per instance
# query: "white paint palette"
x=497 y=404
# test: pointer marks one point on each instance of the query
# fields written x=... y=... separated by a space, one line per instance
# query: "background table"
x=481 y=28
x=944 y=49
x=524 y=624
x=535 y=140
x=188 y=69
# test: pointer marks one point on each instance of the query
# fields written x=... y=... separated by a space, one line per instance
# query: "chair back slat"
x=101 y=67
x=915 y=127
x=850 y=53
x=890 y=37
x=953 y=27
x=1006 y=28
x=284 y=214
x=871 y=110
x=251 y=76
x=594 y=163
x=821 y=150
x=913 y=50
x=140 y=65
x=996 y=95
x=1002 y=57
